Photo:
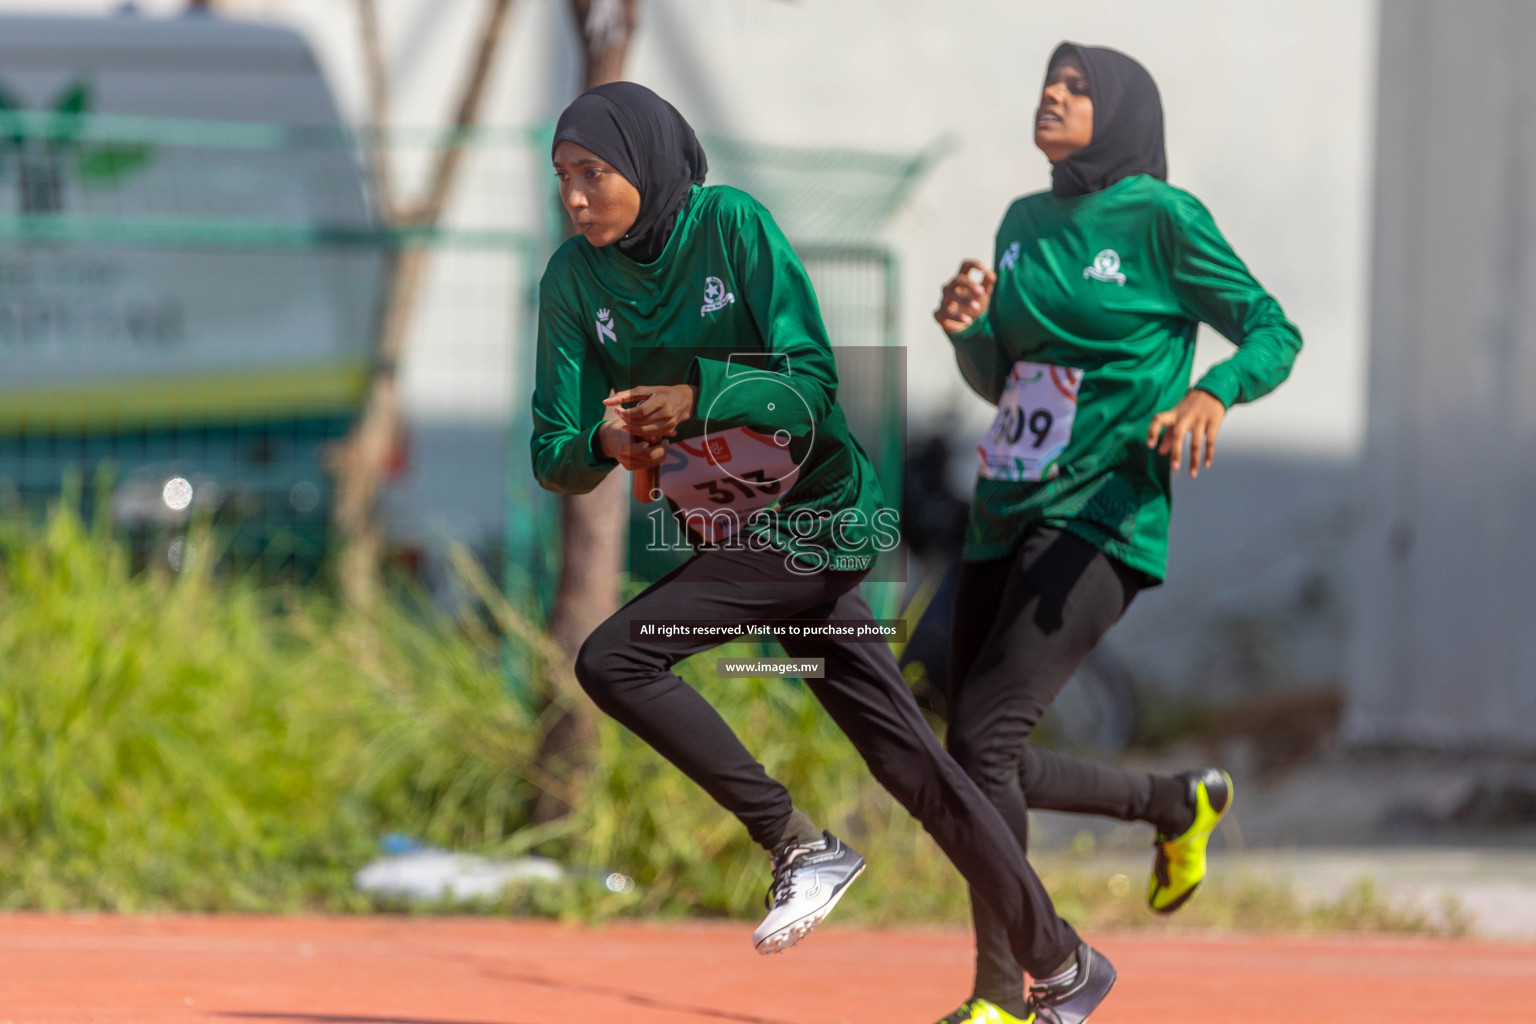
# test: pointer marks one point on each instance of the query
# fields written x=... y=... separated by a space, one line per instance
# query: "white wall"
x=1444 y=652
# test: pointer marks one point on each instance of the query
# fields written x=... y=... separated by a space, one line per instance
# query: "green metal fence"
x=189 y=313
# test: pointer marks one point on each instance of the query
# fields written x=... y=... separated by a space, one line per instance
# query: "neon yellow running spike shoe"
x=1180 y=865
x=980 y=1011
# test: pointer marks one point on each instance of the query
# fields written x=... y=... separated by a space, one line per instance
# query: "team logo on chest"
x=1010 y=258
x=605 y=327
x=715 y=296
x=1106 y=267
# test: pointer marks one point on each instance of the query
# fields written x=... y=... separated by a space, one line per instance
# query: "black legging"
x=863 y=692
x=1022 y=626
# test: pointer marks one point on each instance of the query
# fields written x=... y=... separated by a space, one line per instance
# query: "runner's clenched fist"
x=965 y=298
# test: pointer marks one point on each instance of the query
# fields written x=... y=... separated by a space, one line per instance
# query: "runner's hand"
x=1198 y=416
x=632 y=452
x=657 y=409
x=964 y=297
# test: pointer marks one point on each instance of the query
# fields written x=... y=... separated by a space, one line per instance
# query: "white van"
x=190 y=272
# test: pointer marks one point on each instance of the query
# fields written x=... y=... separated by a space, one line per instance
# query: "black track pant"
x=863 y=692
x=1022 y=626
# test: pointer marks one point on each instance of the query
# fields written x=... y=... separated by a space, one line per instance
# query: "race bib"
x=719 y=479
x=1034 y=422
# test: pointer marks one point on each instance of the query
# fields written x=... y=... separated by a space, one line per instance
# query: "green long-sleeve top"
x=729 y=308
x=1115 y=284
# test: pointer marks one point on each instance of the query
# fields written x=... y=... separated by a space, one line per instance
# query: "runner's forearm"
x=1217 y=288
x=569 y=389
x=981 y=361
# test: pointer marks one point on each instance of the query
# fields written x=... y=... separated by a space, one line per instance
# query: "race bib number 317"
x=718 y=480
x=1034 y=422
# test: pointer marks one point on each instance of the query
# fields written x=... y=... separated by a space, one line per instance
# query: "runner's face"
x=601 y=203
x=1064 y=118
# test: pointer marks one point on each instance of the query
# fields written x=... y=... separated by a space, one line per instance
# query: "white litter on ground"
x=442 y=875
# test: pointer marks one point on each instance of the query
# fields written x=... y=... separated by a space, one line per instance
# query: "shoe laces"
x=783 y=861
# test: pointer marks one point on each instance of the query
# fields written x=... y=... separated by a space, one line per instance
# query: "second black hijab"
x=650 y=144
x=1127 y=123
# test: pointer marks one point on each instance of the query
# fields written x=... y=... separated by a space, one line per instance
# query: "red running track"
x=316 y=970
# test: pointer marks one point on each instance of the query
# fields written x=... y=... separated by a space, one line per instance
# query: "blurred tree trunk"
x=362 y=460
x=592 y=526
x=606 y=27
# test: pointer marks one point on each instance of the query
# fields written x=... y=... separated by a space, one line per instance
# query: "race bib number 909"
x=1033 y=424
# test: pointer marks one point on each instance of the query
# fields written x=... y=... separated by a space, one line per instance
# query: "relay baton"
x=643 y=482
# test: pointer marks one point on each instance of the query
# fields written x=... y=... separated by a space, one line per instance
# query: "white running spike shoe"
x=808 y=880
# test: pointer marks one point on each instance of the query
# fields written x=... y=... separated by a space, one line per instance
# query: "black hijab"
x=648 y=142
x=1127 y=123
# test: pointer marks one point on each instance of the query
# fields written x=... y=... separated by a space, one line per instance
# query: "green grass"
x=198 y=742
x=195 y=742
x=182 y=742
x=1242 y=902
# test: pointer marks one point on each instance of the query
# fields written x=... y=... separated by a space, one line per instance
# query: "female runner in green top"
x=1084 y=339
x=679 y=332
